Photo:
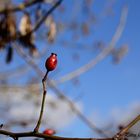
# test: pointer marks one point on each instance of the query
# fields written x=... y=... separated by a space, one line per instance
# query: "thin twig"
x=59 y=93
x=81 y=116
x=43 y=102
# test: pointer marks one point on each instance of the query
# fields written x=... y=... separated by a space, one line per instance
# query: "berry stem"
x=43 y=102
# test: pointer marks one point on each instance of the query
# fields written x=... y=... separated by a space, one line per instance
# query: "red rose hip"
x=51 y=62
x=49 y=132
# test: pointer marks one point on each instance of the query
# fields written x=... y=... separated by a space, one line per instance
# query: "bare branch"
x=42 y=19
x=19 y=70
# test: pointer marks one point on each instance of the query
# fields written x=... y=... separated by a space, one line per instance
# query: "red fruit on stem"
x=49 y=132
x=51 y=62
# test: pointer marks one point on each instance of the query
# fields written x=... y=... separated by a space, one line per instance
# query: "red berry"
x=49 y=132
x=51 y=62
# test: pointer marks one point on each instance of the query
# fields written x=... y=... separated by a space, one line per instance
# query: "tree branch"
x=41 y=135
x=42 y=19
x=20 y=7
x=43 y=102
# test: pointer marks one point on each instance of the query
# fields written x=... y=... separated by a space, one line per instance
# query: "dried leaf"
x=48 y=21
x=27 y=39
x=11 y=25
x=33 y=51
x=9 y=55
x=3 y=29
x=52 y=32
x=85 y=29
x=2 y=44
x=119 y=53
x=25 y=25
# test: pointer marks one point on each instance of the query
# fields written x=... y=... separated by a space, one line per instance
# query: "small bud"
x=51 y=62
x=49 y=132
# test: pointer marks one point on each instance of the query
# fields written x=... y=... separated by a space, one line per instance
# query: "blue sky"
x=106 y=86
x=109 y=86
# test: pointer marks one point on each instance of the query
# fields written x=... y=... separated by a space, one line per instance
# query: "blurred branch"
x=43 y=102
x=101 y=55
x=81 y=116
x=20 y=7
x=120 y=135
x=15 y=136
x=42 y=19
x=14 y=72
x=19 y=87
